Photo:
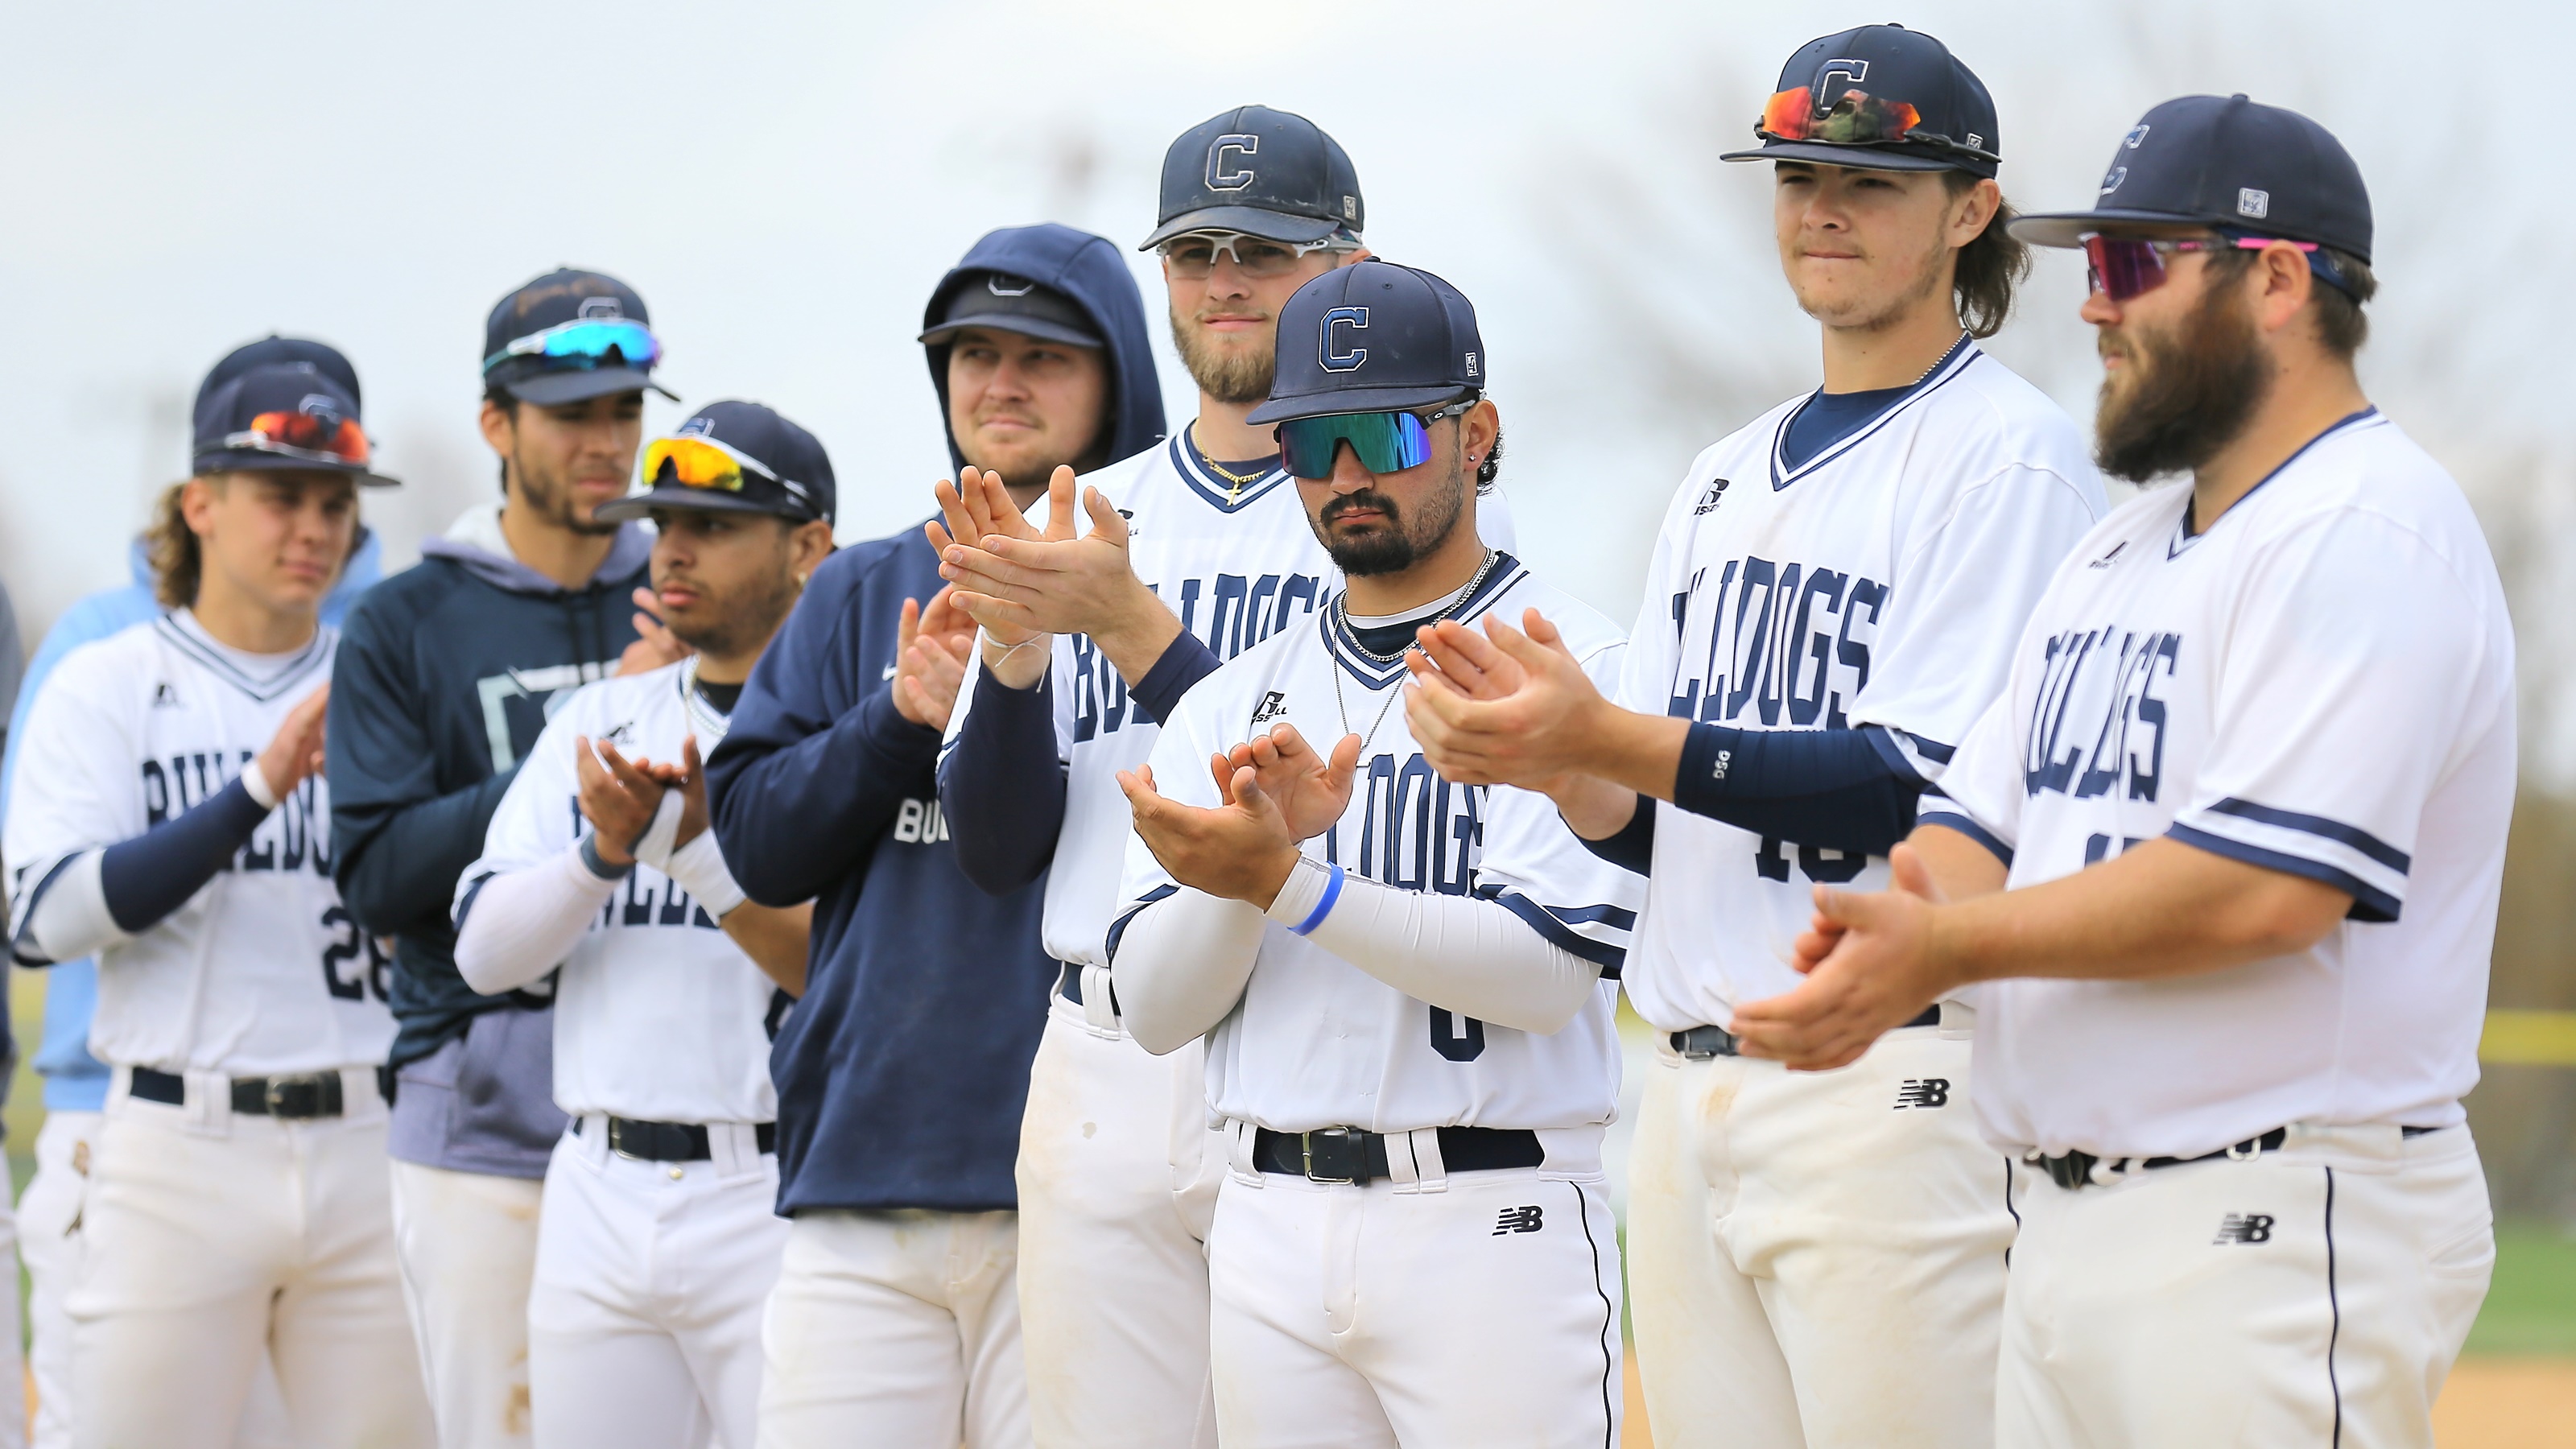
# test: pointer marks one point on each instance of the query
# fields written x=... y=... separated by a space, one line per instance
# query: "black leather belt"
x=1702 y=1042
x=671 y=1141
x=2072 y=1170
x=306 y=1094
x=1347 y=1154
x=1068 y=984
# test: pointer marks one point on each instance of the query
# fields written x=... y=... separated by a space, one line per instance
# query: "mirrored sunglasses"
x=586 y=342
x=1856 y=118
x=308 y=436
x=2124 y=267
x=1387 y=442
x=696 y=462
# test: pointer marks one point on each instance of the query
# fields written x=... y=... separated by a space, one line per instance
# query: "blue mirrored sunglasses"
x=1387 y=442
x=586 y=342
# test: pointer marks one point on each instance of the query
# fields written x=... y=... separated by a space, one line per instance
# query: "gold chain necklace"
x=1235 y=481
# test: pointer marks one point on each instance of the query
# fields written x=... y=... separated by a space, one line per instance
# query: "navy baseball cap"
x=2207 y=161
x=1007 y=303
x=1880 y=98
x=271 y=349
x=1373 y=337
x=1261 y=172
x=280 y=418
x=734 y=457
x=534 y=350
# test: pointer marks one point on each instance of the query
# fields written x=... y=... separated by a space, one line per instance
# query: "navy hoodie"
x=441 y=685
x=903 y=1072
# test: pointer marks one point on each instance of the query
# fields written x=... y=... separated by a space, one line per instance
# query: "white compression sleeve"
x=524 y=922
x=70 y=919
x=1458 y=953
x=1182 y=964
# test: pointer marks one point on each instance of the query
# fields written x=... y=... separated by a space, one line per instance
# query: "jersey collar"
x=1376 y=673
x=1962 y=353
x=186 y=635
x=2184 y=539
x=1225 y=497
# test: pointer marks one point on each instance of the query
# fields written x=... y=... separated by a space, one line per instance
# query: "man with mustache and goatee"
x=1188 y=554
x=2221 y=868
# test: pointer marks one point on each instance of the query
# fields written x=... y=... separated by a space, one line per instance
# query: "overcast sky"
x=785 y=182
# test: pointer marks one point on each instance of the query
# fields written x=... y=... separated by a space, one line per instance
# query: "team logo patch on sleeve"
x=1711 y=496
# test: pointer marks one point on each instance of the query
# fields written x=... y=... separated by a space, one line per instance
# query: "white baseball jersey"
x=1317 y=1042
x=1882 y=582
x=658 y=1014
x=1238 y=563
x=262 y=972
x=2319 y=683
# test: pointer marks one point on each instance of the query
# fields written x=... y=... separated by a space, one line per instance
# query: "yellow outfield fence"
x=2529 y=1039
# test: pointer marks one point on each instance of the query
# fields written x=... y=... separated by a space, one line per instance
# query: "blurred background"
x=784 y=183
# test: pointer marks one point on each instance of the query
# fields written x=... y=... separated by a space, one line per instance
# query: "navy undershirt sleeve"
x=1002 y=786
x=1184 y=663
x=1633 y=847
x=1841 y=789
x=146 y=878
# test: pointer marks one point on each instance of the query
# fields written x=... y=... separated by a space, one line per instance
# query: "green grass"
x=2531 y=1309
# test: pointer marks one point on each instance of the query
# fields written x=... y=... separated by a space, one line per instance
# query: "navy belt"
x=2074 y=1169
x=1702 y=1042
x=303 y=1095
x=1068 y=984
x=671 y=1141
x=1347 y=1154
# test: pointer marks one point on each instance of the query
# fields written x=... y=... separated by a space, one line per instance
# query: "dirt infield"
x=2494 y=1403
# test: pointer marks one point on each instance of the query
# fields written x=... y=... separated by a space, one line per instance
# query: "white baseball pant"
x=468 y=1244
x=644 y=1321
x=1817 y=1258
x=896 y=1329
x=1118 y=1174
x=206 y=1234
x=49 y=1243
x=1464 y=1308
x=2313 y=1295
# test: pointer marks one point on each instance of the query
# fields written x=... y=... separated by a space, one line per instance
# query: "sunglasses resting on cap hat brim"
x=1255 y=221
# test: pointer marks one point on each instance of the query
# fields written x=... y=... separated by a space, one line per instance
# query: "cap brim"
x=2068 y=228
x=1278 y=226
x=1855 y=157
x=699 y=500
x=1352 y=400
x=548 y=389
x=249 y=460
x=1037 y=327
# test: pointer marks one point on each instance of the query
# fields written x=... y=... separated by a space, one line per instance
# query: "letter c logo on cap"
x=1354 y=318
x=1221 y=179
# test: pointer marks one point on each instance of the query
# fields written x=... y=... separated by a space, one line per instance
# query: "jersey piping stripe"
x=2369 y=902
x=263 y=690
x=1952 y=820
x=2334 y=830
x=1223 y=496
x=1557 y=933
x=19 y=944
x=1609 y=1324
x=2184 y=539
x=1339 y=642
x=1118 y=928
x=1962 y=354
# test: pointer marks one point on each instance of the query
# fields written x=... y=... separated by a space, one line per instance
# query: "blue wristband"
x=1324 y=907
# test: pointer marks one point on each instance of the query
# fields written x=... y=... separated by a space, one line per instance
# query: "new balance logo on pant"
x=1923 y=1092
x=1519 y=1220
x=2244 y=1228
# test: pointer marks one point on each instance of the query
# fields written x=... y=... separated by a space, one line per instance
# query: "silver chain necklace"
x=1342 y=608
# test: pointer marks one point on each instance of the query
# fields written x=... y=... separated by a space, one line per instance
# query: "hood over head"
x=1093 y=272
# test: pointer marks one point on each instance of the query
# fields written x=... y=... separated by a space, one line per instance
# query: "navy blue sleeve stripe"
x=1632 y=846
x=1892 y=754
x=2369 y=902
x=1557 y=933
x=2318 y=825
x=1933 y=750
x=465 y=902
x=1118 y=928
x=1616 y=917
x=23 y=950
x=1952 y=820
x=1185 y=662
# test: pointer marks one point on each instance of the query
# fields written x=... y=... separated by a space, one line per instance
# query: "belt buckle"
x=1342 y=1150
x=281 y=1094
x=617 y=1141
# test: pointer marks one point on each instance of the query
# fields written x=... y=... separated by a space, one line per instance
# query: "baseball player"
x=1195 y=551
x=443 y=683
x=1413 y=1054
x=903 y=1073
x=76 y=1083
x=658 y=1242
x=170 y=819
x=1831 y=604
x=2222 y=864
